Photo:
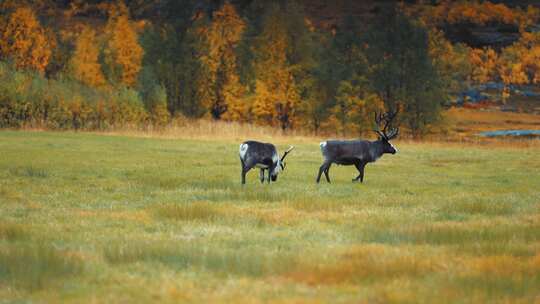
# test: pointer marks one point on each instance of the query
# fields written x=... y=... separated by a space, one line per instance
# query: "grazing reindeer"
x=359 y=152
x=263 y=156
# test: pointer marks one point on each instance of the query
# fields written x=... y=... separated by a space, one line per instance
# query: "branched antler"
x=386 y=119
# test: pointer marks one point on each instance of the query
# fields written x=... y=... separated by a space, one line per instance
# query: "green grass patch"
x=478 y=206
x=452 y=233
x=90 y=217
x=199 y=257
x=34 y=266
x=29 y=171
x=13 y=232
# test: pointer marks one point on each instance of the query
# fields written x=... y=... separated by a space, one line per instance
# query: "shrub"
x=28 y=99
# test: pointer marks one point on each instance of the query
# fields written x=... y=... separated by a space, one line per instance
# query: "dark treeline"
x=96 y=65
x=287 y=72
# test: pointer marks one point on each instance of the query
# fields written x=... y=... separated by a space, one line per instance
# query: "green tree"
x=172 y=58
x=173 y=48
x=402 y=72
x=452 y=62
x=303 y=58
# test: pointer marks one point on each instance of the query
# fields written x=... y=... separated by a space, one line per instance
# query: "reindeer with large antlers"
x=359 y=152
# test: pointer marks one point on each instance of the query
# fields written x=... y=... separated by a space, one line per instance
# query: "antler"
x=387 y=118
x=287 y=152
x=379 y=117
x=393 y=134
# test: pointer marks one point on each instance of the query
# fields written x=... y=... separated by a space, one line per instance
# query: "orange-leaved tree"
x=221 y=36
x=484 y=62
x=84 y=64
x=520 y=63
x=276 y=92
x=24 y=41
x=123 y=53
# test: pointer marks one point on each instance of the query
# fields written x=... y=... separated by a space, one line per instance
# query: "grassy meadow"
x=123 y=219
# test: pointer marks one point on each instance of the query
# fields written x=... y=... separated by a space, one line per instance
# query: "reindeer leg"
x=261 y=176
x=357 y=165
x=326 y=172
x=243 y=176
x=362 y=172
x=360 y=167
x=322 y=169
x=246 y=166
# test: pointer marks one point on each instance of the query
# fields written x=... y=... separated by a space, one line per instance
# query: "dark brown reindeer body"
x=358 y=152
x=263 y=156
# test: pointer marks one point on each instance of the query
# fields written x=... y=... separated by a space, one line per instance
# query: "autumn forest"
x=141 y=143
x=98 y=65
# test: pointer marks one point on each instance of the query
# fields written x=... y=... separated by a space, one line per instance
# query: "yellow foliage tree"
x=472 y=12
x=84 y=64
x=233 y=96
x=221 y=38
x=484 y=62
x=276 y=92
x=520 y=62
x=511 y=73
x=263 y=103
x=24 y=41
x=123 y=53
x=353 y=111
x=343 y=114
x=527 y=52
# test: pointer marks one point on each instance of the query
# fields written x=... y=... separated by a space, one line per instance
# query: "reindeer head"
x=281 y=164
x=384 y=136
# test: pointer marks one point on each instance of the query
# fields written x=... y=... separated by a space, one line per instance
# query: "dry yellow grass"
x=203 y=129
x=136 y=216
x=468 y=122
x=459 y=126
x=364 y=262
